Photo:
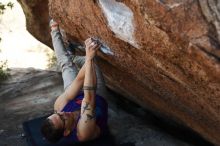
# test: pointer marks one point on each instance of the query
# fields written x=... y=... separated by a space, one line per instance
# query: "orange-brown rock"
x=37 y=18
x=165 y=55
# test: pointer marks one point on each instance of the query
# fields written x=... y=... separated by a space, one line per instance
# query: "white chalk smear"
x=169 y=5
x=104 y=48
x=120 y=20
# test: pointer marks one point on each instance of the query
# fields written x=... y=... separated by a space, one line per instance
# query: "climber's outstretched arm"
x=87 y=128
x=71 y=92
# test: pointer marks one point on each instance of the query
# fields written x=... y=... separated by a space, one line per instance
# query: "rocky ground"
x=30 y=93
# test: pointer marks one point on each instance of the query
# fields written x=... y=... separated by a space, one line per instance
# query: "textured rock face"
x=165 y=53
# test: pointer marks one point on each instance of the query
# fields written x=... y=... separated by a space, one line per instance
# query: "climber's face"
x=58 y=120
x=63 y=120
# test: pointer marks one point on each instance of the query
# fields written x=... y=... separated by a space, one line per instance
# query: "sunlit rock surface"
x=169 y=60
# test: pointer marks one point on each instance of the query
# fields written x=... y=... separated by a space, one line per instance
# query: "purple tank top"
x=101 y=114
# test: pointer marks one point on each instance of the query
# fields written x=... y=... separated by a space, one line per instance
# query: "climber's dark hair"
x=50 y=132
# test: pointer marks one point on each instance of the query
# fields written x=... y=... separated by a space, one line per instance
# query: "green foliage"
x=3 y=64
x=10 y=5
x=3 y=70
x=52 y=60
x=4 y=6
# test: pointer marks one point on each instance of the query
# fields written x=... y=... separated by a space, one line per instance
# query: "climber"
x=80 y=111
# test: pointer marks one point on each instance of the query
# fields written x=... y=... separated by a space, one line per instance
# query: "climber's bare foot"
x=54 y=25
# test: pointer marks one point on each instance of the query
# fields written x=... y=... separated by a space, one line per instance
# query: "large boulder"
x=164 y=55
